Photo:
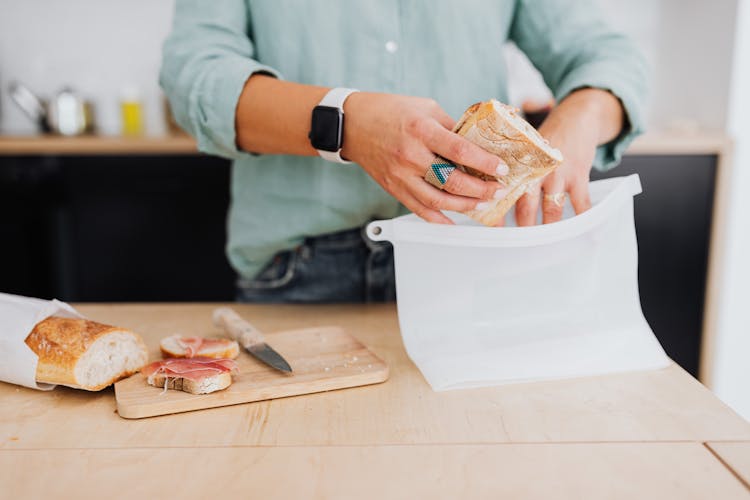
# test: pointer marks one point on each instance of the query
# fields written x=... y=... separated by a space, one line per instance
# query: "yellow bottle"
x=131 y=111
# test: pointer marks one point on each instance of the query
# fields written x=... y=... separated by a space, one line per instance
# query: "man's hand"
x=581 y=122
x=395 y=140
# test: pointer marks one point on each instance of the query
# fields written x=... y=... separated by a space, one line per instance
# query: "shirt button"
x=391 y=46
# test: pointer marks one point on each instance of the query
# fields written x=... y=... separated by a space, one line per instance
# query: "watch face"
x=326 y=129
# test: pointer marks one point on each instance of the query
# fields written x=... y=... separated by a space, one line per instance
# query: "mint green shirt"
x=448 y=50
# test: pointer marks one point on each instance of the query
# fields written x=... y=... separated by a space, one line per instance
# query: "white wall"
x=96 y=46
x=687 y=44
x=731 y=377
x=102 y=46
x=692 y=62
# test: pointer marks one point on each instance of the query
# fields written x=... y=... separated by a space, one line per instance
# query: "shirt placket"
x=392 y=46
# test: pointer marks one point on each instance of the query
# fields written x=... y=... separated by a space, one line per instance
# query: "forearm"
x=273 y=116
x=597 y=110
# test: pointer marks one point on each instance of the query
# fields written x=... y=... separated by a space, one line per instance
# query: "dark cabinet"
x=115 y=228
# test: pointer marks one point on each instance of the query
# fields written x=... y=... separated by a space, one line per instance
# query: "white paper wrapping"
x=483 y=306
x=18 y=315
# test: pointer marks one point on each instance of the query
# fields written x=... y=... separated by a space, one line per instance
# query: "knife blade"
x=250 y=338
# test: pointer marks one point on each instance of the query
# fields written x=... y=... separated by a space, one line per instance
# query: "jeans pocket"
x=279 y=273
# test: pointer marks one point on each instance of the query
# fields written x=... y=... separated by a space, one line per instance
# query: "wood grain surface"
x=612 y=471
x=663 y=405
x=323 y=359
x=736 y=456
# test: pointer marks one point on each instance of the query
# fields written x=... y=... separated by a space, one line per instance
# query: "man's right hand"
x=395 y=140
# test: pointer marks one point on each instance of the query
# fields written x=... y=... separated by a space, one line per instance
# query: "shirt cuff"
x=609 y=155
x=217 y=104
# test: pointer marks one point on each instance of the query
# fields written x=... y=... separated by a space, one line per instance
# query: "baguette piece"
x=84 y=354
x=497 y=128
x=177 y=346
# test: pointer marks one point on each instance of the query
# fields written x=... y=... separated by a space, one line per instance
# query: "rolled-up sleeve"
x=206 y=60
x=573 y=48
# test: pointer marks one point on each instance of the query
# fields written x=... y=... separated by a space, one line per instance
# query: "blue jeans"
x=332 y=268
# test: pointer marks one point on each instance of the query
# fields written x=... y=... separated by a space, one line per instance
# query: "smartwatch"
x=327 y=128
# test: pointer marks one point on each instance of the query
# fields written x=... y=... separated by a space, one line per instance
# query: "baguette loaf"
x=84 y=354
x=497 y=128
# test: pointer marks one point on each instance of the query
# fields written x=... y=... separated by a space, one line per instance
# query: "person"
x=246 y=77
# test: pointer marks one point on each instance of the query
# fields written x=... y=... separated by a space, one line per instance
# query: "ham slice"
x=177 y=346
x=191 y=345
x=194 y=369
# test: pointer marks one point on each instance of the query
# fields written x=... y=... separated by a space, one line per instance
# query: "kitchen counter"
x=658 y=143
x=618 y=436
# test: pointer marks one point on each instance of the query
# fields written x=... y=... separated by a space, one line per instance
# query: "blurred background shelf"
x=96 y=145
x=672 y=143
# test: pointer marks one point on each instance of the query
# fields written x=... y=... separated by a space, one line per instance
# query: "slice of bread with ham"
x=497 y=128
x=197 y=375
x=177 y=346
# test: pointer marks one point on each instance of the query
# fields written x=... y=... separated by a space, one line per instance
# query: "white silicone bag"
x=484 y=306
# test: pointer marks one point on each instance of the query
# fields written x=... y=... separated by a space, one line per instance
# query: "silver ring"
x=556 y=198
x=438 y=173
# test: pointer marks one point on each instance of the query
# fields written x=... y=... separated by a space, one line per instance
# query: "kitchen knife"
x=249 y=337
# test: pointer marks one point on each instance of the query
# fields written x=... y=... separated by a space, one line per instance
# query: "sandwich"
x=84 y=354
x=497 y=128
x=194 y=375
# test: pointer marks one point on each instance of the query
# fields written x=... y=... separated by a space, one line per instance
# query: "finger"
x=459 y=150
x=445 y=119
x=435 y=199
x=552 y=209
x=419 y=209
x=527 y=207
x=463 y=184
x=580 y=197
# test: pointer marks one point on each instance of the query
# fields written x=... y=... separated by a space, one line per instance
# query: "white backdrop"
x=100 y=47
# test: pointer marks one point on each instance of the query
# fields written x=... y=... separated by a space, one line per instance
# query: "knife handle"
x=237 y=328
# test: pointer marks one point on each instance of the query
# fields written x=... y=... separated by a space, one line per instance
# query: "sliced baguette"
x=205 y=385
x=176 y=346
x=84 y=354
x=497 y=128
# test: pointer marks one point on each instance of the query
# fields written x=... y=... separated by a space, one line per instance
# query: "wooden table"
x=656 y=434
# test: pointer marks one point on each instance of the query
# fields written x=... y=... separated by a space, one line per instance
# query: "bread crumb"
x=328 y=368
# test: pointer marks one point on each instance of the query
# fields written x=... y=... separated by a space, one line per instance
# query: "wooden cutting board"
x=323 y=359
